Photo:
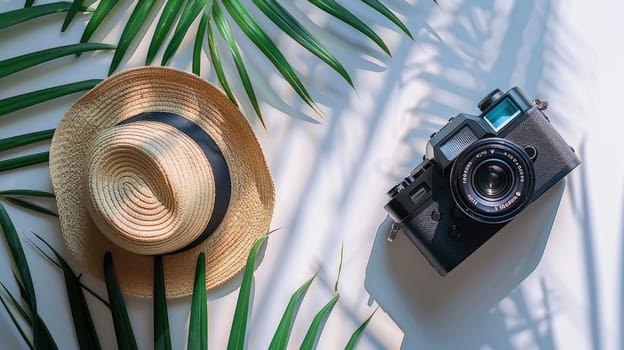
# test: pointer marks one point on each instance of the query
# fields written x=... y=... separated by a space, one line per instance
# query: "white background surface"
x=331 y=177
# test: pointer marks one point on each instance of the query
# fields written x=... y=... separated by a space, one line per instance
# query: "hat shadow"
x=440 y=312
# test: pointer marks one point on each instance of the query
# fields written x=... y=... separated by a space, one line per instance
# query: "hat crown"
x=150 y=187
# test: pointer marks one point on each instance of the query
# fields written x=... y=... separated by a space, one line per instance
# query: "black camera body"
x=478 y=173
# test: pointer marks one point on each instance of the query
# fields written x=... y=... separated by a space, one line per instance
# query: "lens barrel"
x=492 y=180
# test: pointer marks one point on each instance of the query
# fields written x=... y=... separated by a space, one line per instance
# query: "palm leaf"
x=316 y=327
x=17 y=324
x=381 y=8
x=136 y=20
x=29 y=3
x=167 y=17
x=251 y=28
x=162 y=336
x=19 y=257
x=30 y=193
x=83 y=323
x=335 y=9
x=239 y=323
x=190 y=12
x=71 y=13
x=218 y=67
x=339 y=267
x=282 y=334
x=20 y=162
x=292 y=27
x=29 y=205
x=355 y=338
x=198 y=325
x=16 y=64
x=199 y=43
x=10 y=18
x=226 y=33
x=25 y=139
x=12 y=104
x=96 y=19
x=121 y=321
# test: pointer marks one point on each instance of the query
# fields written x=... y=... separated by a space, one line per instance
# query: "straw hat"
x=157 y=161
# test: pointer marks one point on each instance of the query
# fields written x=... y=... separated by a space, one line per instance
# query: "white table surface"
x=331 y=179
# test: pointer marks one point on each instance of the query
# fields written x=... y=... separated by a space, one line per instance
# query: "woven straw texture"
x=168 y=189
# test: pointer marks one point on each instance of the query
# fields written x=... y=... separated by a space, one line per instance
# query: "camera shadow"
x=452 y=311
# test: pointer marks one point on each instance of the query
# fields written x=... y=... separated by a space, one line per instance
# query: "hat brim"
x=158 y=89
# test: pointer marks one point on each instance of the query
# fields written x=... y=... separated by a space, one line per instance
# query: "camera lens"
x=492 y=180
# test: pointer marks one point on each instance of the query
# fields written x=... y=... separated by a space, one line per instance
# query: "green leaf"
x=335 y=9
x=251 y=28
x=317 y=325
x=96 y=19
x=167 y=17
x=83 y=322
x=136 y=20
x=282 y=333
x=20 y=162
x=29 y=205
x=19 y=257
x=23 y=313
x=239 y=323
x=292 y=27
x=29 y=3
x=10 y=18
x=199 y=43
x=25 y=139
x=190 y=12
x=355 y=338
x=121 y=321
x=12 y=104
x=30 y=193
x=73 y=10
x=226 y=33
x=198 y=324
x=381 y=8
x=162 y=336
x=339 y=267
x=17 y=324
x=218 y=67
x=16 y=64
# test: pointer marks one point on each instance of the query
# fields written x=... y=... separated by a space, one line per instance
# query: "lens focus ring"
x=492 y=180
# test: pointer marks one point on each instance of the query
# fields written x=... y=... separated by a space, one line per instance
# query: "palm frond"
x=83 y=322
x=15 y=103
x=381 y=8
x=190 y=12
x=29 y=193
x=316 y=327
x=199 y=43
x=333 y=8
x=162 y=336
x=215 y=57
x=255 y=33
x=121 y=321
x=238 y=331
x=136 y=20
x=283 y=19
x=198 y=325
x=13 y=17
x=167 y=18
x=29 y=205
x=226 y=33
x=102 y=10
x=282 y=333
x=24 y=161
x=355 y=337
x=16 y=64
x=25 y=139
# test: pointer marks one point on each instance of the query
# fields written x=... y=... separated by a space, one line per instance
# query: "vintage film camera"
x=478 y=173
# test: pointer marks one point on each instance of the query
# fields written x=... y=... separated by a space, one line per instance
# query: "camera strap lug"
x=542 y=105
x=394 y=230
